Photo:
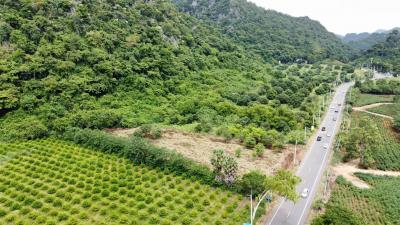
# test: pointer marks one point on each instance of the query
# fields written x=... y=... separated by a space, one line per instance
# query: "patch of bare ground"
x=199 y=147
x=122 y=132
x=347 y=170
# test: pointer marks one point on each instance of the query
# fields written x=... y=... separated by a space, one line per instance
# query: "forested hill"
x=60 y=49
x=59 y=57
x=271 y=34
x=123 y=63
x=365 y=41
x=386 y=55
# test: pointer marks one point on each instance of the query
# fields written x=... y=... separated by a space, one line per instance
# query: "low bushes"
x=139 y=151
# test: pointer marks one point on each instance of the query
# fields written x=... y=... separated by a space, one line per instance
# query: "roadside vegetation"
x=374 y=142
x=372 y=139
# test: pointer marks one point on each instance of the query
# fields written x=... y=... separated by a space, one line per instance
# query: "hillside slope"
x=386 y=55
x=268 y=33
x=102 y=64
x=364 y=41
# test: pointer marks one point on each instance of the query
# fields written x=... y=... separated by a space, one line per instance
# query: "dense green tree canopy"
x=123 y=63
x=267 y=33
x=385 y=56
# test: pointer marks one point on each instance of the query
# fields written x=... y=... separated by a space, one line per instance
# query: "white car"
x=328 y=134
x=326 y=145
x=305 y=192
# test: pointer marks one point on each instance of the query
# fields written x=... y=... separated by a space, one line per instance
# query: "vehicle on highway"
x=323 y=128
x=319 y=138
x=332 y=107
x=328 y=134
x=334 y=119
x=326 y=145
x=339 y=104
x=336 y=111
x=305 y=192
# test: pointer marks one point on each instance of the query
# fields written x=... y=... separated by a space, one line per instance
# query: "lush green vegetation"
x=386 y=55
x=380 y=87
x=140 y=152
x=55 y=182
x=360 y=99
x=389 y=110
x=269 y=34
x=99 y=64
x=364 y=41
x=372 y=139
x=353 y=206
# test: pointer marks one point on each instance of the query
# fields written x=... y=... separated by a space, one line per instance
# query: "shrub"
x=25 y=129
x=148 y=131
x=62 y=216
x=259 y=150
x=37 y=205
x=249 y=142
x=139 y=151
x=238 y=152
x=2 y=213
x=189 y=204
x=396 y=123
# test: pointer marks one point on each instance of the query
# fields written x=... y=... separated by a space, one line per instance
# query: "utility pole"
x=251 y=207
x=313 y=121
x=319 y=113
x=253 y=210
x=326 y=183
x=294 y=155
x=305 y=134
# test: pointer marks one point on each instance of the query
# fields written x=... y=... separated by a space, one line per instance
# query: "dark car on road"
x=319 y=138
x=323 y=128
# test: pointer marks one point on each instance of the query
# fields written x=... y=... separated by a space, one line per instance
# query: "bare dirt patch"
x=199 y=147
x=121 y=132
x=347 y=170
x=366 y=107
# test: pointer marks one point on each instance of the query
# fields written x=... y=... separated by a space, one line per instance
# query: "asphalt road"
x=313 y=166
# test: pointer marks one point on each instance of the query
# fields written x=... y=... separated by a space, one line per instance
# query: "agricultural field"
x=55 y=182
x=367 y=99
x=386 y=151
x=379 y=203
x=374 y=206
x=389 y=110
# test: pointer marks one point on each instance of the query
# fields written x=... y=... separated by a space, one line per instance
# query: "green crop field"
x=389 y=110
x=55 y=182
x=380 y=203
x=387 y=152
x=367 y=99
x=374 y=206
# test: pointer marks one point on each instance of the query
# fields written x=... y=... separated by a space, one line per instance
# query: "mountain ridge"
x=268 y=33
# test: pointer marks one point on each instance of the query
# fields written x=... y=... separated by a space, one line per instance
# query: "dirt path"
x=366 y=107
x=347 y=170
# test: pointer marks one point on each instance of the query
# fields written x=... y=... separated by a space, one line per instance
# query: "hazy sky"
x=342 y=16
